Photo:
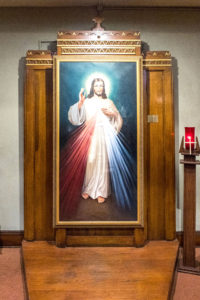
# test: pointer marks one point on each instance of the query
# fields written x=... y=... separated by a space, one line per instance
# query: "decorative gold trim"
x=38 y=52
x=160 y=62
x=98 y=47
x=140 y=172
x=98 y=42
x=95 y=50
x=159 y=53
x=88 y=42
x=161 y=65
x=39 y=61
x=99 y=33
x=33 y=58
x=158 y=59
x=118 y=44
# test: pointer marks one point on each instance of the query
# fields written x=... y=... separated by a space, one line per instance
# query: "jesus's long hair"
x=91 y=94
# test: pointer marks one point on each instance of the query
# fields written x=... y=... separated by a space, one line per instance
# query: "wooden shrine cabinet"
x=158 y=143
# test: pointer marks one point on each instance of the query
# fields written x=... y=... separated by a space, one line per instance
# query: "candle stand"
x=187 y=262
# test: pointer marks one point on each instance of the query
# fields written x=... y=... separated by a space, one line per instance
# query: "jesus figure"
x=97 y=178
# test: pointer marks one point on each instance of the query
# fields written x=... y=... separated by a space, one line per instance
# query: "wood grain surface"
x=161 y=154
x=38 y=153
x=189 y=221
x=156 y=182
x=99 y=273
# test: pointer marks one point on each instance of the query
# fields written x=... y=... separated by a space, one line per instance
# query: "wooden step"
x=99 y=273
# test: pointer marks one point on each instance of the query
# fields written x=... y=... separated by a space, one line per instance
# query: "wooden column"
x=160 y=146
x=38 y=147
x=189 y=210
x=61 y=237
x=187 y=262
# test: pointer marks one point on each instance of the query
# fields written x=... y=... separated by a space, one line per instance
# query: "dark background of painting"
x=123 y=92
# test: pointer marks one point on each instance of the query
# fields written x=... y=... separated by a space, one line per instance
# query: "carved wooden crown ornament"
x=99 y=41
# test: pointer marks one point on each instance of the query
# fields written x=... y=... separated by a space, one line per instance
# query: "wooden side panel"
x=161 y=154
x=169 y=144
x=156 y=176
x=29 y=156
x=43 y=155
x=38 y=153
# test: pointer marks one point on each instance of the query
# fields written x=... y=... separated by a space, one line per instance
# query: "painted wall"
x=21 y=29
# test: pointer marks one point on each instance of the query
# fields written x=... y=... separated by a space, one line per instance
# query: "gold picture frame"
x=66 y=69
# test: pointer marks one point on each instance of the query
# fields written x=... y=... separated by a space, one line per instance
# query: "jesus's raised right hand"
x=81 y=98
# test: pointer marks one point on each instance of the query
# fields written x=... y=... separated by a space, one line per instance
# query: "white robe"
x=97 y=179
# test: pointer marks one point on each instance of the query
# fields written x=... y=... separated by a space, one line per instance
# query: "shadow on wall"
x=48 y=45
x=21 y=82
x=176 y=123
x=145 y=47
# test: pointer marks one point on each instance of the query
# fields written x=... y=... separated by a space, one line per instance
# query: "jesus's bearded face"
x=98 y=88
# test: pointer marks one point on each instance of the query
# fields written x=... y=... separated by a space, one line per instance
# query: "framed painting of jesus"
x=98 y=141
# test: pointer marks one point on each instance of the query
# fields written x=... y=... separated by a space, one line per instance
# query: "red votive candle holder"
x=189 y=138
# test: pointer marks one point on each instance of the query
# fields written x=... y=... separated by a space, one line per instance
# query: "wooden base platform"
x=99 y=273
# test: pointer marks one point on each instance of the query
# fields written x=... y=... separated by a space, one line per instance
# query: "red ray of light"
x=73 y=160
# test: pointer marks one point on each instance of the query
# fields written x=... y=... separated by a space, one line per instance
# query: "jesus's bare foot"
x=101 y=199
x=85 y=196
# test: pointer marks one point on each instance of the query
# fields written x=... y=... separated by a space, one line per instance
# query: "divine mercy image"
x=98 y=142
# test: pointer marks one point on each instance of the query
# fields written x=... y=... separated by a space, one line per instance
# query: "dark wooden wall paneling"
x=159 y=204
x=11 y=238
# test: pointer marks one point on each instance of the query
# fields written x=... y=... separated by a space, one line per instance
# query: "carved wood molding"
x=94 y=43
x=157 y=63
x=39 y=57
x=99 y=34
x=99 y=42
x=157 y=59
x=30 y=62
x=98 y=50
